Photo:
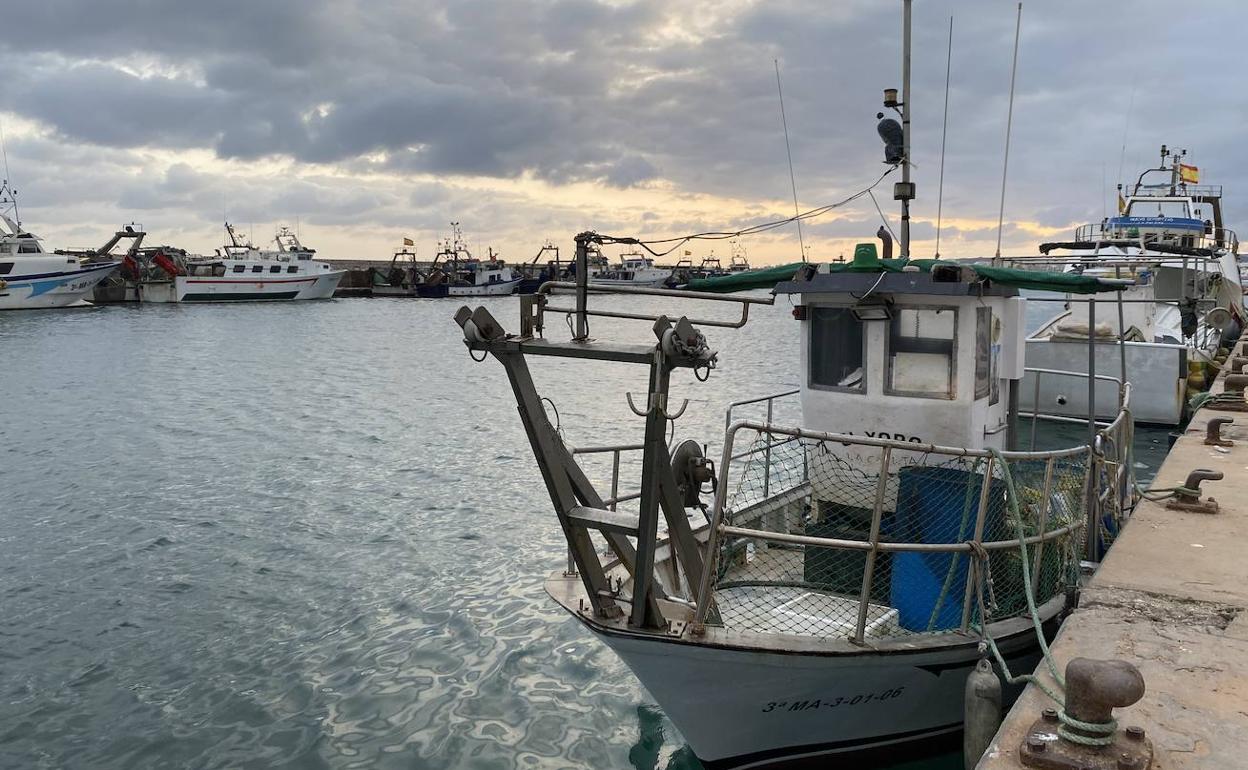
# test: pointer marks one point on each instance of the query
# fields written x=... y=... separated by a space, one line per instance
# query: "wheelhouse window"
x=257 y=268
x=921 y=352
x=983 y=352
x=28 y=247
x=292 y=269
x=837 y=350
x=240 y=268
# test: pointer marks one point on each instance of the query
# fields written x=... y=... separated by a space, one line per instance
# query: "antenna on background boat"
x=944 y=131
x=4 y=149
x=789 y=151
x=1009 y=122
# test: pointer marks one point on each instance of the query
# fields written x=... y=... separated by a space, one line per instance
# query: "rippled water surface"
x=308 y=535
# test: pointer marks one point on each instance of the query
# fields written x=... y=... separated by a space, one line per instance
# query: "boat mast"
x=904 y=191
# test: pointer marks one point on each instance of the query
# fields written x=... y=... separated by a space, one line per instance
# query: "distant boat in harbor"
x=633 y=269
x=457 y=273
x=240 y=272
x=33 y=278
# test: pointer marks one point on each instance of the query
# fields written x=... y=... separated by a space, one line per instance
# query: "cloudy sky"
x=369 y=120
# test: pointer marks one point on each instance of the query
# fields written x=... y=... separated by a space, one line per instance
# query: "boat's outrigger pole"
x=665 y=487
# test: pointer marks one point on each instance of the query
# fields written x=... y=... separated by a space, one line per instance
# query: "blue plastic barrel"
x=934 y=505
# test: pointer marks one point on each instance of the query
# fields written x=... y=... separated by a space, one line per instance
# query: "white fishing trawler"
x=1184 y=304
x=31 y=277
x=633 y=269
x=853 y=563
x=833 y=593
x=240 y=272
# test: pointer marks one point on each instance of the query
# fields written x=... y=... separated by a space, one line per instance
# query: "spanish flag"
x=1122 y=204
x=408 y=242
x=1189 y=174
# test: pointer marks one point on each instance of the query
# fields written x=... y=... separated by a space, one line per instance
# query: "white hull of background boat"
x=496 y=289
x=242 y=287
x=749 y=708
x=40 y=286
x=652 y=283
x=1154 y=369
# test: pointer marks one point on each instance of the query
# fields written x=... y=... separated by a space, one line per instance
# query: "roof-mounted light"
x=875 y=311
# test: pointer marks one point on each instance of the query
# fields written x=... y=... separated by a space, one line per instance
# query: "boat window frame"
x=889 y=390
x=813 y=310
x=257 y=268
x=292 y=268
x=240 y=268
x=6 y=267
x=983 y=388
x=275 y=268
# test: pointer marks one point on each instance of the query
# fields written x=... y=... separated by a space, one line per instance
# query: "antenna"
x=789 y=150
x=1009 y=122
x=944 y=131
x=12 y=194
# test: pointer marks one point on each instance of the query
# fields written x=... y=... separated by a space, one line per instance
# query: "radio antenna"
x=944 y=130
x=789 y=150
x=1009 y=122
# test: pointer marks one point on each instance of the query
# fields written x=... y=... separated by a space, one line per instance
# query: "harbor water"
x=312 y=535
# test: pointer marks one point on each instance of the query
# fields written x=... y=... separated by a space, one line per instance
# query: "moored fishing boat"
x=457 y=273
x=240 y=272
x=633 y=269
x=1185 y=302
x=31 y=277
x=839 y=585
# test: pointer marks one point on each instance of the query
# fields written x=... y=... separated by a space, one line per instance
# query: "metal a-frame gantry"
x=577 y=504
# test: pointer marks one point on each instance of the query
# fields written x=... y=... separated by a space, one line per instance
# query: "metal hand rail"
x=874 y=546
x=1037 y=415
x=555 y=287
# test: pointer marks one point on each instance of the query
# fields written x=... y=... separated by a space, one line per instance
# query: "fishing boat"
x=827 y=587
x=838 y=581
x=403 y=276
x=633 y=269
x=31 y=277
x=1184 y=305
x=457 y=273
x=240 y=272
x=738 y=263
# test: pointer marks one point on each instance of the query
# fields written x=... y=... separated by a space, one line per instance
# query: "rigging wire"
x=789 y=151
x=944 y=132
x=720 y=235
x=883 y=218
x=1009 y=122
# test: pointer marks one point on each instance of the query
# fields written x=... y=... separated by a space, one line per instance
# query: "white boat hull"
x=241 y=288
x=497 y=289
x=750 y=708
x=1157 y=373
x=51 y=289
x=647 y=283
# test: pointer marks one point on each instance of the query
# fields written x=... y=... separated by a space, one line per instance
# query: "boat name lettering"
x=831 y=703
x=889 y=436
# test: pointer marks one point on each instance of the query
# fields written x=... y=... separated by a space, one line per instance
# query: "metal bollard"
x=1082 y=735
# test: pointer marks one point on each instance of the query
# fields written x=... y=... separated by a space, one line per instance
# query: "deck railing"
x=876 y=538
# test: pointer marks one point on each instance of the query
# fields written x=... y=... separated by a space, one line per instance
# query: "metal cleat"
x=1237 y=364
x=1213 y=432
x=1083 y=734
x=1190 y=501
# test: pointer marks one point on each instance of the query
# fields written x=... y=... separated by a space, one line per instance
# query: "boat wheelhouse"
x=834 y=593
x=1184 y=304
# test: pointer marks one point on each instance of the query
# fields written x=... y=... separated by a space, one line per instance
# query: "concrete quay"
x=1170 y=598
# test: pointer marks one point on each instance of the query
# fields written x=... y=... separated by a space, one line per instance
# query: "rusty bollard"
x=1213 y=432
x=1083 y=734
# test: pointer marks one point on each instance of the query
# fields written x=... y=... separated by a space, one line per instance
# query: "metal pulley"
x=691 y=470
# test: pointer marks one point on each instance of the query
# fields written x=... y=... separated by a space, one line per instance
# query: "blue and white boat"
x=33 y=278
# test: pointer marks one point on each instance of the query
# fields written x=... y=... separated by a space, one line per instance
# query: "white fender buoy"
x=981 y=712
